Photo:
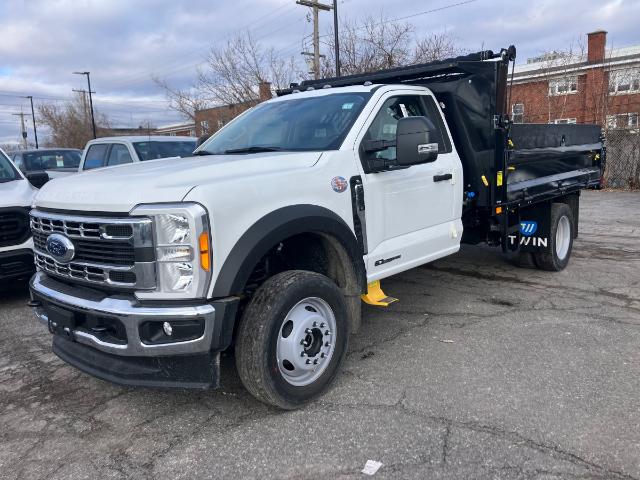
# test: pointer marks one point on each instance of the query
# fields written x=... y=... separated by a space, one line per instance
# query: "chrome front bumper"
x=81 y=301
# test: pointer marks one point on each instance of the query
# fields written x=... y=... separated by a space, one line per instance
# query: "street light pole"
x=33 y=118
x=93 y=121
x=335 y=33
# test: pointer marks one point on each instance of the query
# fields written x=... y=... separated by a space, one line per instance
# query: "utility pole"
x=336 y=41
x=22 y=128
x=316 y=7
x=33 y=117
x=93 y=121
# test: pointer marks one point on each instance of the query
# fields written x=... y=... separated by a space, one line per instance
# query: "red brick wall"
x=216 y=117
x=590 y=104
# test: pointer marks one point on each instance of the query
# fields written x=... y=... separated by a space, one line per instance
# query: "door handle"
x=442 y=178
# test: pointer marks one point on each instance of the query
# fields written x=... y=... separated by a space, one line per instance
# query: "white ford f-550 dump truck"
x=269 y=237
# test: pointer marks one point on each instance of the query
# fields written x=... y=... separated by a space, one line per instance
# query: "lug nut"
x=315 y=324
x=327 y=332
x=322 y=355
x=308 y=361
x=322 y=325
x=307 y=330
x=326 y=344
x=302 y=354
x=315 y=362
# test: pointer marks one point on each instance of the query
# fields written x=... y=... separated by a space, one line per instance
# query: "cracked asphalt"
x=481 y=370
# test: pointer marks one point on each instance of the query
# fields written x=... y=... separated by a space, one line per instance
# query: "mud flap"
x=376 y=297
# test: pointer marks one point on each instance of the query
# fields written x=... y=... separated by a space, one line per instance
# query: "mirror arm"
x=378 y=145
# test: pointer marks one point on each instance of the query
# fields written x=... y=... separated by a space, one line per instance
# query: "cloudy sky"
x=124 y=43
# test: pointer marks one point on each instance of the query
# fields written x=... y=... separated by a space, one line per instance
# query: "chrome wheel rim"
x=563 y=237
x=306 y=341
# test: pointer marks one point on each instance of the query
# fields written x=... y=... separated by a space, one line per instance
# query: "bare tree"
x=377 y=43
x=184 y=101
x=436 y=46
x=231 y=76
x=70 y=123
x=233 y=72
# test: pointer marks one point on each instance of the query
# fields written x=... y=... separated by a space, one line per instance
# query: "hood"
x=119 y=189
x=16 y=193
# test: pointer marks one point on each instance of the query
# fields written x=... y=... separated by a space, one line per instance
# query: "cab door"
x=412 y=213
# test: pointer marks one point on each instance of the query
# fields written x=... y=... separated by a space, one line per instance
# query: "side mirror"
x=38 y=179
x=413 y=141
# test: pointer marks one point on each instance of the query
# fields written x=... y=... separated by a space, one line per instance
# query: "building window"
x=622 y=120
x=517 y=113
x=204 y=125
x=624 y=81
x=563 y=86
x=559 y=121
x=220 y=123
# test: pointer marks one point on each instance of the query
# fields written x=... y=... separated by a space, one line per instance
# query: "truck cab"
x=270 y=237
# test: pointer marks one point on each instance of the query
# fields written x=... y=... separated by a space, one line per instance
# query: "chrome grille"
x=115 y=252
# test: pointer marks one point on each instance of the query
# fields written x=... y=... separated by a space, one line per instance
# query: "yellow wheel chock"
x=375 y=296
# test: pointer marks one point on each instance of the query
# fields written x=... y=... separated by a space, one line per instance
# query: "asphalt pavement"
x=481 y=370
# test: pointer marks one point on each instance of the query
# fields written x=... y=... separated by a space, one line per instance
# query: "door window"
x=385 y=124
x=119 y=155
x=17 y=161
x=95 y=156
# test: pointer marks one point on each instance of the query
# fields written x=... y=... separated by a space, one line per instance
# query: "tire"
x=556 y=256
x=276 y=322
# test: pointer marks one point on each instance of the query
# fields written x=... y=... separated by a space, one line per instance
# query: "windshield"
x=51 y=159
x=153 y=150
x=7 y=172
x=299 y=124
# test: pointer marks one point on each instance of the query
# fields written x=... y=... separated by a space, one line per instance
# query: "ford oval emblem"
x=60 y=248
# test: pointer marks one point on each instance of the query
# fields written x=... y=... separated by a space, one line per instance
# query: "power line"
x=426 y=12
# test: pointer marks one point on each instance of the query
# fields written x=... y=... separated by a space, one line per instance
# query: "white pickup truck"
x=16 y=196
x=271 y=235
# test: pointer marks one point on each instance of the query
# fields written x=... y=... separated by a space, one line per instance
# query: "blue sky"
x=124 y=43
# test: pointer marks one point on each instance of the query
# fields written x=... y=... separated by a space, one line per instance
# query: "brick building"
x=210 y=120
x=598 y=85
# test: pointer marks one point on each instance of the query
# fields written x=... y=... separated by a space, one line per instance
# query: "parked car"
x=55 y=162
x=16 y=246
x=111 y=151
x=269 y=237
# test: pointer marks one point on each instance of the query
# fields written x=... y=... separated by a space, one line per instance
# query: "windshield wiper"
x=254 y=149
x=203 y=152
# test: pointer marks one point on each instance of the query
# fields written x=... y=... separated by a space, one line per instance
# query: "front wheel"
x=556 y=256
x=292 y=338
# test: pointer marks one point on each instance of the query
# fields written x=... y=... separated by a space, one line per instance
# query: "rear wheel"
x=556 y=256
x=292 y=338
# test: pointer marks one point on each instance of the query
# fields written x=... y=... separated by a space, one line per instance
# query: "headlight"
x=181 y=239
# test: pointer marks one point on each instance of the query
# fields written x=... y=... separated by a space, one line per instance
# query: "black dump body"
x=540 y=161
x=548 y=159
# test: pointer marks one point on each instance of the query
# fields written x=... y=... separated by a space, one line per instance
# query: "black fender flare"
x=276 y=227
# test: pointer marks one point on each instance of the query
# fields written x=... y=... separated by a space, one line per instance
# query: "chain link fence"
x=622 y=169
